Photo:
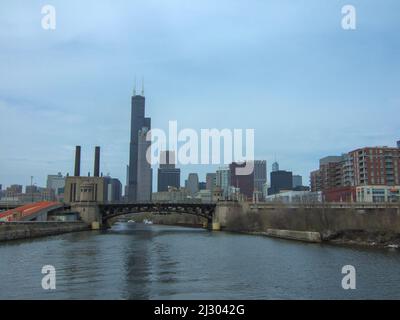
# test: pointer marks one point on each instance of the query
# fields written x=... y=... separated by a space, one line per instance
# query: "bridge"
x=37 y=211
x=99 y=214
x=112 y=210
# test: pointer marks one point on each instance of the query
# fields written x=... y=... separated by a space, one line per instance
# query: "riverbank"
x=374 y=226
x=26 y=230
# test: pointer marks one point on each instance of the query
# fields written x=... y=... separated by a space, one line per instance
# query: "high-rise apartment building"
x=315 y=181
x=376 y=166
x=338 y=176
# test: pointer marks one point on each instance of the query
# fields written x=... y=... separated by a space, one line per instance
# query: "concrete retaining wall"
x=323 y=220
x=306 y=236
x=24 y=230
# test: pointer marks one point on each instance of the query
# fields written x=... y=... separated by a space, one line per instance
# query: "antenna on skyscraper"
x=143 y=86
x=134 y=88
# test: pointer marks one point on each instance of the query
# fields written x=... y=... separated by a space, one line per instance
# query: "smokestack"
x=96 y=162
x=77 y=172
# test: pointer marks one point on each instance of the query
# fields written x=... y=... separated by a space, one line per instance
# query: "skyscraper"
x=139 y=125
x=168 y=175
x=211 y=181
x=280 y=180
x=223 y=180
x=144 y=172
x=192 y=184
x=275 y=166
x=244 y=182
x=297 y=181
x=260 y=175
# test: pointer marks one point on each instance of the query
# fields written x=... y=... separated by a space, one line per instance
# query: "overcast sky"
x=285 y=68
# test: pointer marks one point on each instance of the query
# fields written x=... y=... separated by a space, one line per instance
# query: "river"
x=136 y=261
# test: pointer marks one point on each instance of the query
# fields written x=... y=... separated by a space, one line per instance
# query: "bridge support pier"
x=89 y=213
x=213 y=224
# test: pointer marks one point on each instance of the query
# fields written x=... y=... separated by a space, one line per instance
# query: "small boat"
x=131 y=221
x=146 y=221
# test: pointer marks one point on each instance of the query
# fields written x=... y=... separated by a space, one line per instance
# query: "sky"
x=286 y=69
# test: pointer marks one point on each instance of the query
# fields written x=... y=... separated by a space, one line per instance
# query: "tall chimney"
x=77 y=172
x=96 y=162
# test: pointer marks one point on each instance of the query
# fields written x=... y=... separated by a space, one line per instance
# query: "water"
x=135 y=261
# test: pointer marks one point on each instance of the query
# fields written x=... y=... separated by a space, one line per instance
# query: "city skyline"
x=199 y=155
x=299 y=75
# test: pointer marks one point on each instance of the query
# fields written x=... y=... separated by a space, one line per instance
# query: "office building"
x=192 y=184
x=202 y=186
x=281 y=180
x=13 y=190
x=245 y=182
x=223 y=181
x=260 y=176
x=139 y=126
x=168 y=175
x=297 y=181
x=144 y=170
x=56 y=183
x=114 y=189
x=31 y=189
x=211 y=181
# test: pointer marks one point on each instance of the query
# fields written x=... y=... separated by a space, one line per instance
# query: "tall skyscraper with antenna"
x=140 y=175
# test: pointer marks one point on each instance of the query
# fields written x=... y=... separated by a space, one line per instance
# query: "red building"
x=338 y=176
x=376 y=166
x=342 y=194
x=244 y=182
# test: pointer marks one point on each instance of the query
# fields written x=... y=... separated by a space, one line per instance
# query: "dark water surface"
x=135 y=261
